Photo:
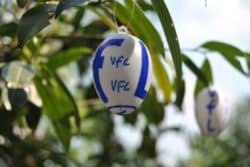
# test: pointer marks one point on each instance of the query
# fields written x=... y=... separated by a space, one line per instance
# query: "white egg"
x=211 y=112
x=122 y=72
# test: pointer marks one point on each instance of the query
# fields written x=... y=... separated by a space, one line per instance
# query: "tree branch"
x=76 y=37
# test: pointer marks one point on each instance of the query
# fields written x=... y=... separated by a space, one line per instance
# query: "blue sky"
x=224 y=20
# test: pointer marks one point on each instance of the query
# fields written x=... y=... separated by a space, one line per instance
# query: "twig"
x=197 y=50
x=76 y=37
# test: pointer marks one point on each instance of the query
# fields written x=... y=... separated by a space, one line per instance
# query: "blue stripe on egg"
x=98 y=63
x=140 y=90
x=123 y=108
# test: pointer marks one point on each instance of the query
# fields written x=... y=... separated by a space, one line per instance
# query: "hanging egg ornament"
x=122 y=72
x=211 y=112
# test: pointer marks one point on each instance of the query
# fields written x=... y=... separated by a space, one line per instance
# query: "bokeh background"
x=57 y=61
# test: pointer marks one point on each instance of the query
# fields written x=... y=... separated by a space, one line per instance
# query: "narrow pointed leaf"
x=229 y=52
x=248 y=63
x=65 y=57
x=207 y=70
x=57 y=104
x=153 y=110
x=77 y=18
x=180 y=93
x=70 y=99
x=146 y=6
x=162 y=78
x=220 y=47
x=171 y=35
x=105 y=19
x=190 y=64
x=65 y=4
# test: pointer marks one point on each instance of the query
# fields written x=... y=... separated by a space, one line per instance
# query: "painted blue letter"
x=113 y=85
x=118 y=86
x=113 y=60
x=120 y=60
x=211 y=106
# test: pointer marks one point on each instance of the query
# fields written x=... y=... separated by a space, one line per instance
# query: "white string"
x=114 y=16
x=132 y=14
x=123 y=28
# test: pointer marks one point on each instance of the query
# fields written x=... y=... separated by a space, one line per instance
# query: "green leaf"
x=104 y=17
x=248 y=63
x=180 y=93
x=153 y=110
x=148 y=146
x=90 y=92
x=57 y=104
x=206 y=69
x=143 y=29
x=190 y=64
x=8 y=29
x=70 y=98
x=162 y=78
x=131 y=118
x=33 y=21
x=229 y=52
x=63 y=132
x=98 y=124
x=171 y=35
x=145 y=6
x=220 y=47
x=21 y=3
x=96 y=28
x=65 y=57
x=77 y=18
x=65 y=4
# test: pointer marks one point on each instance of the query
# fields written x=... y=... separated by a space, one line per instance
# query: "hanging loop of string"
x=131 y=16
x=114 y=15
x=123 y=28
